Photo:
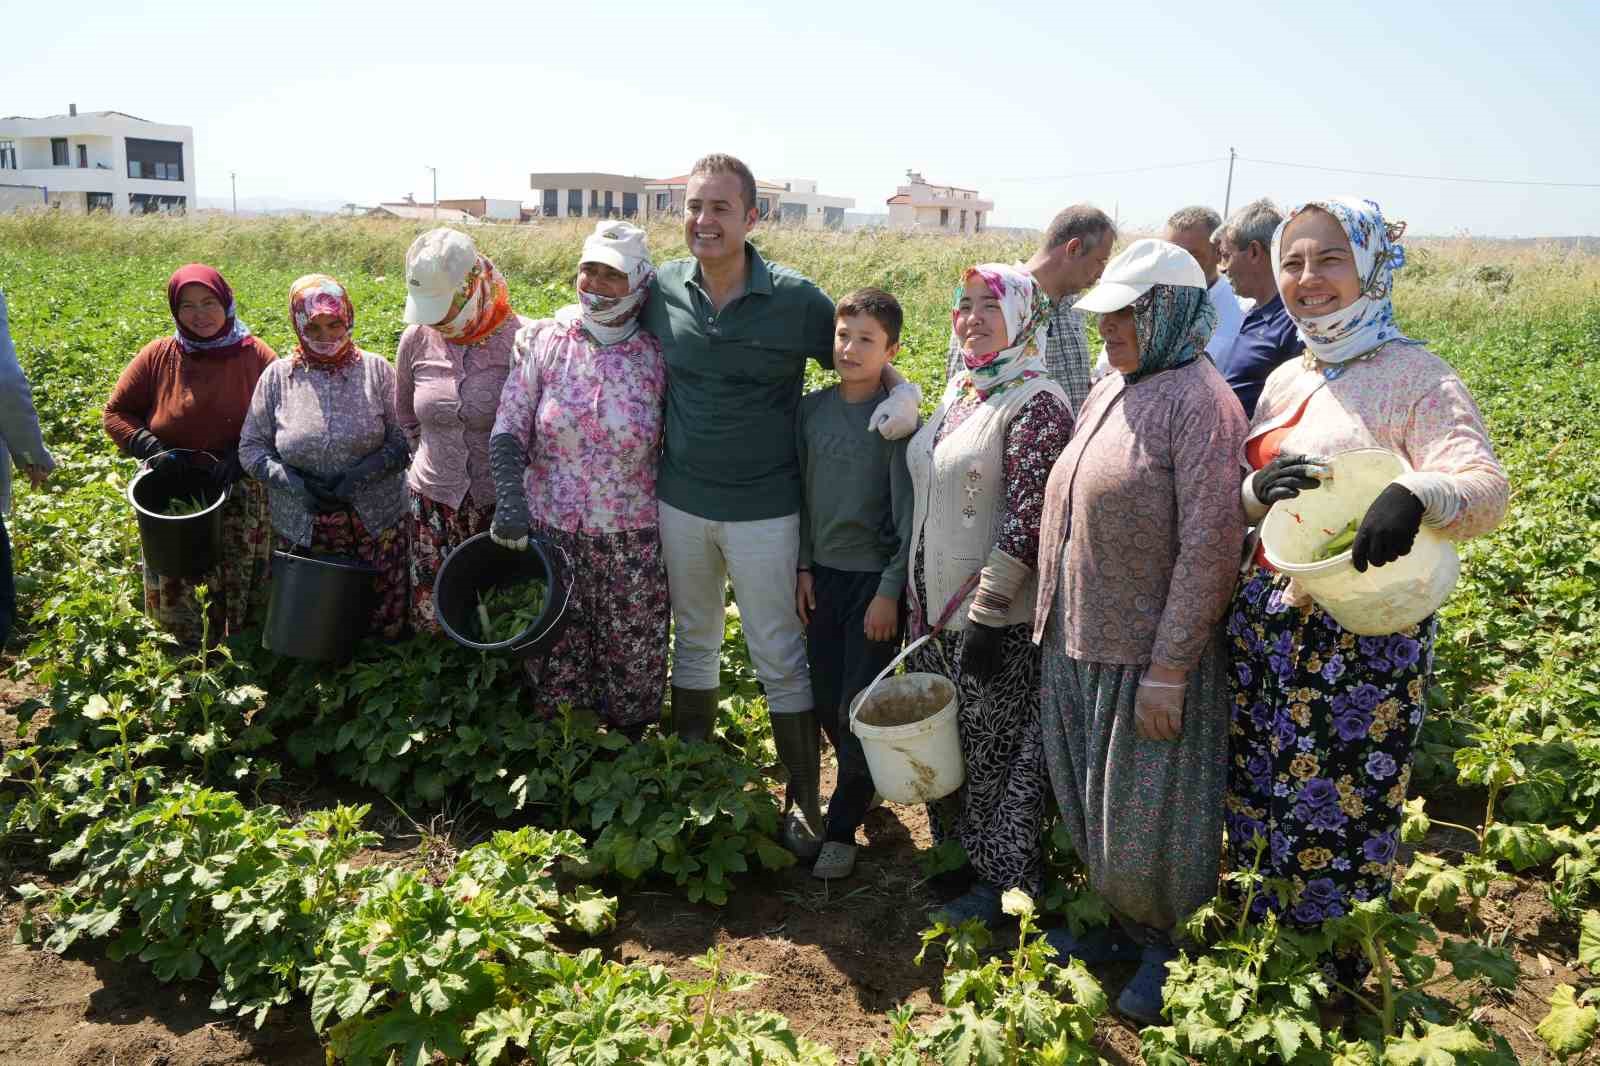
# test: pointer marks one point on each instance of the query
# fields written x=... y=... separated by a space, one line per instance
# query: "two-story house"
x=920 y=205
x=100 y=161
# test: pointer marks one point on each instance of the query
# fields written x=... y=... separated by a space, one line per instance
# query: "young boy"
x=855 y=532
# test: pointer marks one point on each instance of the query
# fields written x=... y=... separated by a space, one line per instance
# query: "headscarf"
x=233 y=331
x=611 y=320
x=1173 y=324
x=1359 y=329
x=318 y=294
x=1026 y=309
x=480 y=307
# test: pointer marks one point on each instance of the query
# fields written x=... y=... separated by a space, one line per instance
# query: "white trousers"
x=760 y=557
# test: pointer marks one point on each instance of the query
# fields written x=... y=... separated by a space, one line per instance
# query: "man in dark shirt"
x=1267 y=337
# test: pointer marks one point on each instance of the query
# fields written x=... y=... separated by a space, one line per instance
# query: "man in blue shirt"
x=1267 y=337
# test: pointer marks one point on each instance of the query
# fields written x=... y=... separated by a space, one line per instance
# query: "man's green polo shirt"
x=733 y=383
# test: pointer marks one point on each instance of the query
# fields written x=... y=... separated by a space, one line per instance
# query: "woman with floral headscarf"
x=182 y=400
x=574 y=452
x=1139 y=549
x=978 y=469
x=323 y=435
x=450 y=368
x=1323 y=720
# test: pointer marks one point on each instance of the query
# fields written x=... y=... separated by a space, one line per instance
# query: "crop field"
x=236 y=859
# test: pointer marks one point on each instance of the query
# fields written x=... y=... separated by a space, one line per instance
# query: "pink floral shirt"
x=590 y=418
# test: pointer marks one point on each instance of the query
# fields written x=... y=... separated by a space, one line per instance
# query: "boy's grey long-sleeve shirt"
x=856 y=510
x=20 y=438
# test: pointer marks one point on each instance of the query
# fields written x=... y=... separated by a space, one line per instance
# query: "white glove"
x=1158 y=710
x=896 y=416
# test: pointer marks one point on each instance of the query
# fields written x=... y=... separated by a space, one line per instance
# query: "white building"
x=919 y=205
x=100 y=161
x=587 y=194
x=802 y=203
x=487 y=208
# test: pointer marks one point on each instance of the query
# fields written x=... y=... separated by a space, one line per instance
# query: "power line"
x=1425 y=177
x=1108 y=173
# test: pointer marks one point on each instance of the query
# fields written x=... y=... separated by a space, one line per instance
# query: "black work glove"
x=507 y=461
x=227 y=470
x=980 y=652
x=147 y=447
x=322 y=492
x=391 y=456
x=1389 y=528
x=1284 y=478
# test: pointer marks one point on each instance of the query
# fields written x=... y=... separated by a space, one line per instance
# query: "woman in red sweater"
x=190 y=391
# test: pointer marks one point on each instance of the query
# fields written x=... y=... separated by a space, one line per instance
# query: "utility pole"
x=234 y=174
x=435 y=171
x=1227 y=198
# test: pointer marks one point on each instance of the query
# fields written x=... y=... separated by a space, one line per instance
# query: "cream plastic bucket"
x=1385 y=599
x=920 y=761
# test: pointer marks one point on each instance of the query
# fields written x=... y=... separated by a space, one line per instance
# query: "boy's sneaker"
x=834 y=861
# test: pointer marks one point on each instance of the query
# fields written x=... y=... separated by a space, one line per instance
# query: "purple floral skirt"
x=1323 y=725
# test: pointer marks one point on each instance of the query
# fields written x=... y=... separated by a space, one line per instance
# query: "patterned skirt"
x=998 y=814
x=343 y=533
x=237 y=583
x=437 y=529
x=612 y=656
x=1323 y=725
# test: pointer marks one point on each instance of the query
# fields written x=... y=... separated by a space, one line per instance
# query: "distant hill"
x=271 y=205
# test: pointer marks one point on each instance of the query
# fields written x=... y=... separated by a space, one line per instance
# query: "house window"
x=763 y=206
x=99 y=201
x=963 y=222
x=141 y=203
x=155 y=160
x=58 y=152
x=630 y=204
x=8 y=155
x=610 y=204
x=574 y=203
x=551 y=204
x=663 y=201
x=944 y=217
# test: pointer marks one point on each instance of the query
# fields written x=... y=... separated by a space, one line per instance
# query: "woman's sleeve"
x=405 y=388
x=1033 y=441
x=1462 y=486
x=257 y=440
x=128 y=409
x=19 y=421
x=1207 y=435
x=519 y=397
x=394 y=437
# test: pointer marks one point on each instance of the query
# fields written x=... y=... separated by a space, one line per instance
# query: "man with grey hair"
x=1267 y=336
x=1191 y=229
x=1076 y=246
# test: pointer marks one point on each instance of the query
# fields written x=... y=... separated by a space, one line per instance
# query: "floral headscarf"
x=480 y=307
x=1173 y=323
x=1359 y=329
x=1026 y=309
x=233 y=331
x=318 y=294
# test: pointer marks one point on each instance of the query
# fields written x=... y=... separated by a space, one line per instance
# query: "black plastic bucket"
x=185 y=546
x=321 y=606
x=478 y=565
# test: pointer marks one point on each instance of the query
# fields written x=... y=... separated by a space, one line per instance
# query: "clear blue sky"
x=348 y=101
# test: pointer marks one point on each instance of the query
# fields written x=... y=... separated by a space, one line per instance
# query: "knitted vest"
x=960 y=500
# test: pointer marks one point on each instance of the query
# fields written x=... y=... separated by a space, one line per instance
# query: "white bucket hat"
x=437 y=265
x=1140 y=265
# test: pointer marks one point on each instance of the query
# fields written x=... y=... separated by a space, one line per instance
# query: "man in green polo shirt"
x=736 y=332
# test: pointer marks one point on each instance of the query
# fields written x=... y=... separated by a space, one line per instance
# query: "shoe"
x=834 y=861
x=1141 y=996
x=1095 y=946
x=980 y=902
x=694 y=711
x=799 y=745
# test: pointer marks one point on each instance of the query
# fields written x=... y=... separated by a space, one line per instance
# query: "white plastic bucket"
x=1385 y=599
x=920 y=761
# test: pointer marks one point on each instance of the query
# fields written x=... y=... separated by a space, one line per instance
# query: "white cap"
x=437 y=265
x=1140 y=265
x=618 y=245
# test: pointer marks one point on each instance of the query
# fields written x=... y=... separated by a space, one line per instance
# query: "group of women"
x=1082 y=576
x=342 y=453
x=1113 y=651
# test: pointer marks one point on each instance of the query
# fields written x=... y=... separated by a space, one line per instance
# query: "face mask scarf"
x=318 y=294
x=481 y=306
x=1174 y=323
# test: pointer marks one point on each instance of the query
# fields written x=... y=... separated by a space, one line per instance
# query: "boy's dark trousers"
x=843 y=662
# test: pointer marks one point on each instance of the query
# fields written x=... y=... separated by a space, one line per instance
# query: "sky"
x=1036 y=105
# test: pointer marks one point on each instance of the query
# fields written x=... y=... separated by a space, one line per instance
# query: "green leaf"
x=1431 y=886
x=1522 y=846
x=589 y=910
x=1415 y=825
x=1469 y=959
x=1436 y=1045
x=979 y=1041
x=1569 y=1028
x=1589 y=941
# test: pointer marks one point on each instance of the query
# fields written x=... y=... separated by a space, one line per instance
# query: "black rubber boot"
x=800 y=750
x=694 y=711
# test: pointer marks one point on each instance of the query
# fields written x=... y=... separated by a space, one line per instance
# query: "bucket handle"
x=861 y=699
x=144 y=464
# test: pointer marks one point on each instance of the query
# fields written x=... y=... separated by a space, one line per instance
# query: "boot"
x=694 y=711
x=800 y=751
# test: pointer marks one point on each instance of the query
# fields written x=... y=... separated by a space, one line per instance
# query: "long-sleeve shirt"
x=195 y=400
x=447 y=396
x=1409 y=401
x=323 y=422
x=1143 y=524
x=590 y=420
x=857 y=506
x=20 y=438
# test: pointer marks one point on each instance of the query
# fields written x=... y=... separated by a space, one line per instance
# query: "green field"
x=130 y=820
